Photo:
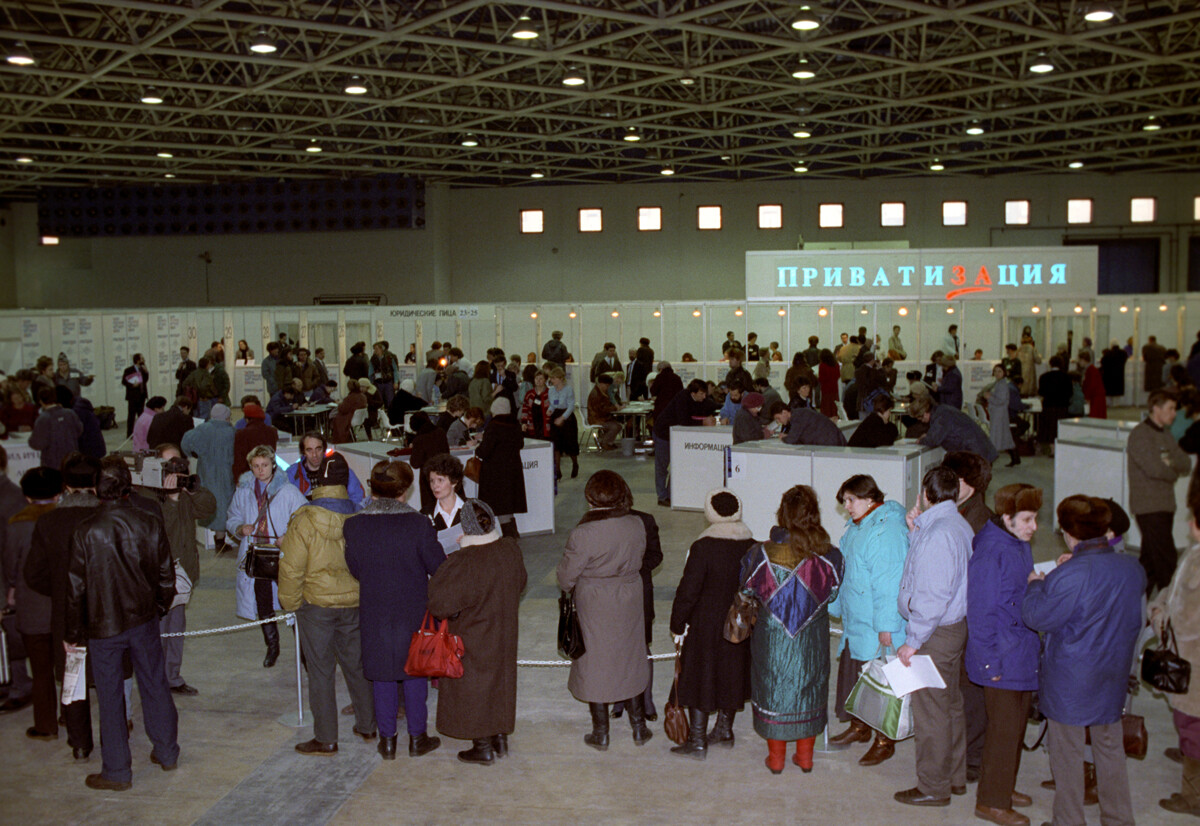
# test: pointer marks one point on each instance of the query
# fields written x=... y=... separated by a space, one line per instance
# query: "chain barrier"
x=289 y=618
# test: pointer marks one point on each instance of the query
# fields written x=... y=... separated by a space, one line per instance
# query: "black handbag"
x=262 y=561
x=1163 y=668
x=570 y=634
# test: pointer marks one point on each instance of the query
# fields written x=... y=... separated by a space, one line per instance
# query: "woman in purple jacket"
x=1002 y=652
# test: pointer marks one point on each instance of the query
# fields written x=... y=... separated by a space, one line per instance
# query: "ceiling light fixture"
x=572 y=314
x=805 y=20
x=800 y=168
x=19 y=55
x=823 y=312
x=313 y=146
x=525 y=29
x=1098 y=13
x=607 y=111
x=165 y=154
x=169 y=175
x=470 y=140
x=975 y=128
x=802 y=131
x=1078 y=308
x=533 y=315
x=1123 y=308
x=667 y=170
x=1152 y=124
x=24 y=159
x=738 y=312
x=687 y=79
x=937 y=165
x=864 y=310
x=1041 y=64
x=537 y=173
x=632 y=134
x=262 y=43
x=657 y=313
x=1162 y=308
x=1035 y=309
x=355 y=86
x=992 y=309
x=615 y=314
x=573 y=77
x=696 y=313
x=151 y=96
x=804 y=70
x=1075 y=165
x=49 y=240
x=782 y=312
x=949 y=311
x=902 y=311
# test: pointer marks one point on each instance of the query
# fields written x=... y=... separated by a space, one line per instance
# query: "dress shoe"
x=316 y=747
x=14 y=704
x=1021 y=799
x=664 y=503
x=185 y=689
x=858 y=732
x=367 y=736
x=915 y=797
x=973 y=774
x=882 y=749
x=480 y=753
x=1179 y=804
x=348 y=709
x=154 y=759
x=500 y=745
x=99 y=781
x=574 y=467
x=34 y=734
x=651 y=716
x=81 y=754
x=422 y=744
x=958 y=791
x=1005 y=817
x=387 y=747
x=1173 y=754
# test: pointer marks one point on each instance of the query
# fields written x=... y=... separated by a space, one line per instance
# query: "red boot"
x=804 y=754
x=776 y=755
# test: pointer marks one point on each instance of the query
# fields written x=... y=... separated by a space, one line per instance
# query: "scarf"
x=874 y=505
x=262 y=524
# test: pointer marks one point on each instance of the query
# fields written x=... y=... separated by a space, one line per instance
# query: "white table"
x=537 y=457
x=1084 y=428
x=21 y=457
x=697 y=464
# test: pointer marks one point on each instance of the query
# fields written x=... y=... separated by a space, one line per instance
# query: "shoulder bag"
x=262 y=557
x=570 y=633
x=675 y=718
x=434 y=651
x=471 y=469
x=1163 y=668
x=739 y=622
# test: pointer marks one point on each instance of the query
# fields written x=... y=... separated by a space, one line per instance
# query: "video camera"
x=149 y=470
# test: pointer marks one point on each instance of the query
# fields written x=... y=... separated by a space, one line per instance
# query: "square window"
x=1141 y=210
x=1016 y=212
x=532 y=220
x=829 y=216
x=1079 y=210
x=708 y=217
x=891 y=214
x=649 y=219
x=591 y=219
x=954 y=213
x=770 y=216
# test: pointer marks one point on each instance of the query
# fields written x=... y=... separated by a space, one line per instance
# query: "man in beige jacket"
x=315 y=583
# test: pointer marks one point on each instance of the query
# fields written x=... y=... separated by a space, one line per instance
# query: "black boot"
x=387 y=747
x=696 y=746
x=422 y=744
x=500 y=744
x=722 y=732
x=1013 y=458
x=636 y=706
x=598 y=739
x=574 y=466
x=480 y=753
x=270 y=632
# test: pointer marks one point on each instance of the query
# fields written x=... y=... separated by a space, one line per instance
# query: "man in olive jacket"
x=1155 y=462
x=315 y=583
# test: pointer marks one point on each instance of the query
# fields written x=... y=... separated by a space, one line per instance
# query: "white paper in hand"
x=75 y=677
x=1045 y=568
x=449 y=538
x=922 y=673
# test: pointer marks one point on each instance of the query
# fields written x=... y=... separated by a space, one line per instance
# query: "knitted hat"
x=220 y=413
x=470 y=522
x=333 y=471
x=721 y=505
x=501 y=406
x=753 y=400
x=253 y=411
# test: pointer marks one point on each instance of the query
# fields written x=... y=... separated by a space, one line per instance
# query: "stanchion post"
x=299 y=685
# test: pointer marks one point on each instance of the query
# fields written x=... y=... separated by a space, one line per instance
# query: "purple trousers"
x=1189 y=733
x=387 y=705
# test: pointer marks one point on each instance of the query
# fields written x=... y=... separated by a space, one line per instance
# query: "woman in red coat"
x=535 y=409
x=1093 y=388
x=828 y=374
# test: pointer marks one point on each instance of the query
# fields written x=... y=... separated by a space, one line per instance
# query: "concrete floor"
x=238 y=767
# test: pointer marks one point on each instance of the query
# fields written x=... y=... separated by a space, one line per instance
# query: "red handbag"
x=434 y=651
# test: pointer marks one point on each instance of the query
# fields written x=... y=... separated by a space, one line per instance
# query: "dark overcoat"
x=502 y=478
x=715 y=672
x=479 y=588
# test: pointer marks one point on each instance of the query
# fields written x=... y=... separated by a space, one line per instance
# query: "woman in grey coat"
x=602 y=564
x=998 y=424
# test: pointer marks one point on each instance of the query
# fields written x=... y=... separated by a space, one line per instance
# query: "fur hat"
x=333 y=471
x=501 y=406
x=1084 y=517
x=1017 y=497
x=722 y=505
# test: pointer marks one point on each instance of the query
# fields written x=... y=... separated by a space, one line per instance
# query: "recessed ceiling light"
x=525 y=29
x=1041 y=64
x=165 y=154
x=151 y=96
x=573 y=77
x=667 y=170
x=974 y=128
x=802 y=131
x=800 y=168
x=262 y=43
x=49 y=240
x=1152 y=124
x=804 y=71
x=537 y=173
x=687 y=79
x=470 y=140
x=24 y=159
x=936 y=166
x=169 y=175
x=313 y=146
x=19 y=55
x=632 y=134
x=1075 y=165
x=355 y=86
x=805 y=20
x=1098 y=13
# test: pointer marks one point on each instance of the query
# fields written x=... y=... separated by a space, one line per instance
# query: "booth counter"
x=1084 y=428
x=21 y=457
x=759 y=473
x=697 y=464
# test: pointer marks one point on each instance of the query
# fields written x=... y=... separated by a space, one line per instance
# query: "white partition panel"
x=697 y=464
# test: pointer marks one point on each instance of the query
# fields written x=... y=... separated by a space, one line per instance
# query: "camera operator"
x=185 y=503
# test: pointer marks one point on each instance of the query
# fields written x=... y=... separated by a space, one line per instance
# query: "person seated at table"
x=733 y=401
x=250 y=399
x=18 y=414
x=746 y=427
x=305 y=475
x=444 y=474
x=600 y=410
x=770 y=396
x=403 y=400
x=324 y=393
x=806 y=426
x=339 y=422
x=283 y=402
x=877 y=429
x=464 y=430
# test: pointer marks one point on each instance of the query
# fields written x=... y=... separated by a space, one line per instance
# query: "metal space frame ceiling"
x=708 y=86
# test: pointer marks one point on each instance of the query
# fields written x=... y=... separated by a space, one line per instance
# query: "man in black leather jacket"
x=121 y=579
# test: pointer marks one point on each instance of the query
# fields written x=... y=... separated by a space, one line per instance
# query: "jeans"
x=662 y=464
x=203 y=409
x=386 y=389
x=158 y=708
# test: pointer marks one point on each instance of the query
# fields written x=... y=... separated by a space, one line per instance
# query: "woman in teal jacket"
x=875 y=545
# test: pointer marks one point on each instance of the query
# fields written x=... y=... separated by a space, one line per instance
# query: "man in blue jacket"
x=1090 y=610
x=303 y=474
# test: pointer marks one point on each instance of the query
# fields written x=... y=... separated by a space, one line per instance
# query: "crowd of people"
x=92 y=561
